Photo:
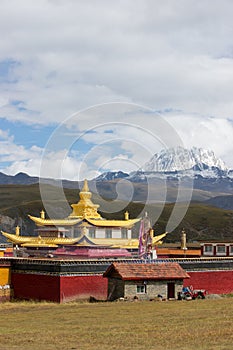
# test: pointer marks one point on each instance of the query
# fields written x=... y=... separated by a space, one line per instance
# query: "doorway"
x=170 y=290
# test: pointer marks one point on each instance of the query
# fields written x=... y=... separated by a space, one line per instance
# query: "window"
x=231 y=250
x=77 y=232
x=108 y=233
x=124 y=233
x=208 y=248
x=92 y=232
x=141 y=289
x=221 y=249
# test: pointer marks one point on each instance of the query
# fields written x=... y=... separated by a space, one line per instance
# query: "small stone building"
x=144 y=280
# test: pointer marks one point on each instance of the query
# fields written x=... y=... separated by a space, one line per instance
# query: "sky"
x=91 y=86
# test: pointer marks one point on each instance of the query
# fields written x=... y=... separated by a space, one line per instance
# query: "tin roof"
x=146 y=271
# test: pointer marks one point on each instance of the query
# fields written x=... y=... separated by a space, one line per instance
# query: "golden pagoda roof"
x=121 y=242
x=38 y=245
x=29 y=241
x=158 y=239
x=38 y=241
x=16 y=238
x=113 y=223
x=54 y=222
x=86 y=210
x=116 y=242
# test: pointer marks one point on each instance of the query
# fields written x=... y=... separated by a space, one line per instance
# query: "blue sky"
x=87 y=87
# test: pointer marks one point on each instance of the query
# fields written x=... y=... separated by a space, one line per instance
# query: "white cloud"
x=69 y=55
x=206 y=132
x=73 y=54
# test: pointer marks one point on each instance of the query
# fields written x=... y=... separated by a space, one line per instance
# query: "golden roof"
x=116 y=242
x=113 y=223
x=28 y=241
x=158 y=239
x=84 y=210
x=39 y=245
x=38 y=241
x=54 y=222
x=15 y=238
x=124 y=242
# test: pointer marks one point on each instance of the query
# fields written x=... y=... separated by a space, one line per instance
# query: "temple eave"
x=55 y=222
x=112 y=223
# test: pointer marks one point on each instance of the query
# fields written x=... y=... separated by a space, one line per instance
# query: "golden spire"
x=85 y=186
x=126 y=215
x=85 y=208
x=42 y=214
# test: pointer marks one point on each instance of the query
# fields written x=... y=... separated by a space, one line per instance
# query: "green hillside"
x=201 y=222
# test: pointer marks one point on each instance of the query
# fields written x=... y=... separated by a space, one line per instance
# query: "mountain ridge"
x=205 y=180
x=180 y=159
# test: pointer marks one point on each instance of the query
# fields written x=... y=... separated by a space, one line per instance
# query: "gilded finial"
x=42 y=214
x=85 y=186
x=17 y=230
x=126 y=215
x=183 y=240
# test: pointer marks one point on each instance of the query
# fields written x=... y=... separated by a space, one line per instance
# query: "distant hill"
x=224 y=202
x=201 y=221
x=20 y=179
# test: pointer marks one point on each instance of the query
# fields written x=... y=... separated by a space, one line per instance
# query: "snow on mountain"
x=181 y=159
x=111 y=175
x=175 y=163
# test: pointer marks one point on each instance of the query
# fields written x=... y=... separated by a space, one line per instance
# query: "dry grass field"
x=173 y=325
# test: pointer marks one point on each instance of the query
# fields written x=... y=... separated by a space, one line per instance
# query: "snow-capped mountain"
x=111 y=175
x=181 y=159
x=176 y=163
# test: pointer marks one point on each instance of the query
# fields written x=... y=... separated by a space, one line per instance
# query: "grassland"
x=193 y=325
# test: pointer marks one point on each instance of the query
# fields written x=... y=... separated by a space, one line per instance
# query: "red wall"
x=58 y=289
x=36 y=287
x=215 y=282
x=67 y=288
x=82 y=287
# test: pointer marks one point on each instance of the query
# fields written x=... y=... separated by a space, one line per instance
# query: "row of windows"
x=219 y=249
x=108 y=232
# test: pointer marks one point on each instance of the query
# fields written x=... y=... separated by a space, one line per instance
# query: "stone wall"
x=115 y=288
x=118 y=288
x=153 y=289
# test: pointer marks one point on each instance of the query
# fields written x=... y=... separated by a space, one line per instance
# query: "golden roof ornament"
x=85 y=208
x=183 y=240
x=17 y=230
x=85 y=186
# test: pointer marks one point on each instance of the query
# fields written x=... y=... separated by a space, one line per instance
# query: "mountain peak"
x=111 y=175
x=22 y=175
x=180 y=159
